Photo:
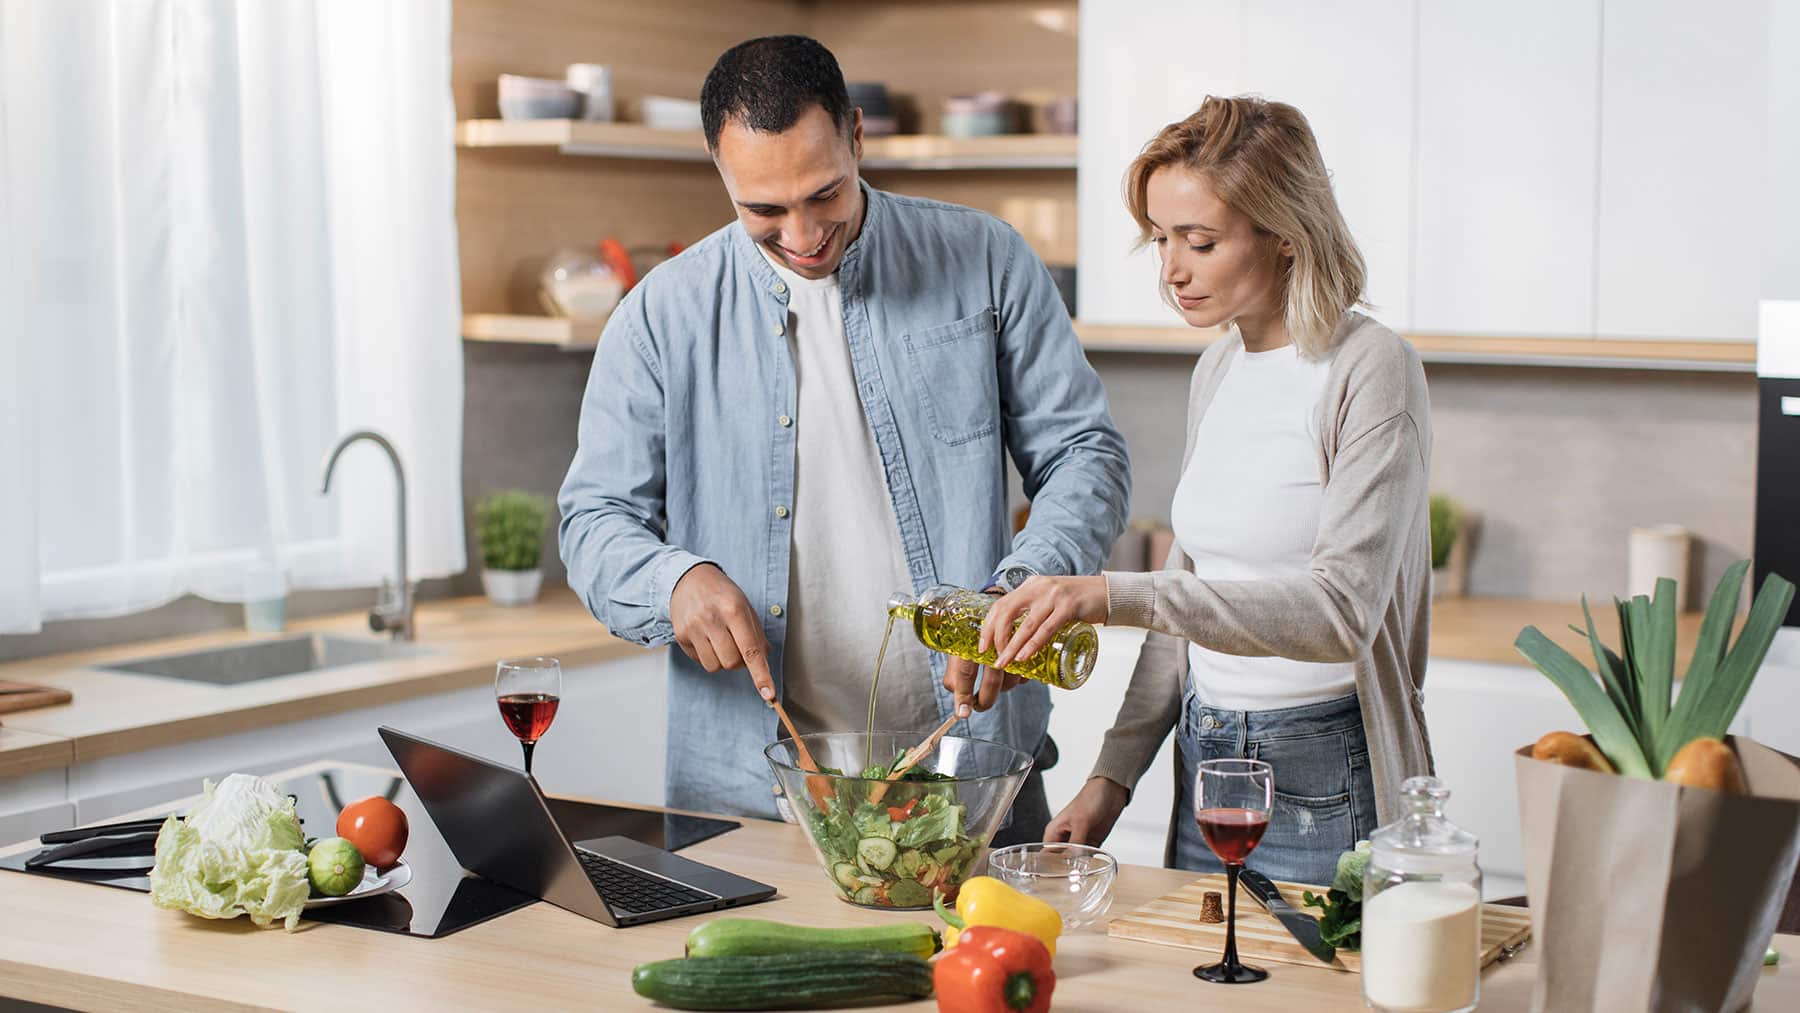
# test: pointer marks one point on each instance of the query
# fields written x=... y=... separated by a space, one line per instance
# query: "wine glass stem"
x=1231 y=881
x=528 y=747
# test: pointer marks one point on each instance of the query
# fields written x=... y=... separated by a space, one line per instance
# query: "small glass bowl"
x=1075 y=879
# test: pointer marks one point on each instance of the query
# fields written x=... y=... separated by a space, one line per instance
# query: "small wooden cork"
x=1212 y=907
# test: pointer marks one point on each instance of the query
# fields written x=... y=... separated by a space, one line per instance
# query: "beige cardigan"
x=1367 y=597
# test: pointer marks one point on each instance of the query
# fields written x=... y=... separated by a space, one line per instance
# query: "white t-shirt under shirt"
x=1247 y=508
x=847 y=557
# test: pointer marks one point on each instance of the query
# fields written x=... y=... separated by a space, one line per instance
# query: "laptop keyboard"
x=634 y=891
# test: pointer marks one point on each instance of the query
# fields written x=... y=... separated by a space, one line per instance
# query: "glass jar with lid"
x=1421 y=909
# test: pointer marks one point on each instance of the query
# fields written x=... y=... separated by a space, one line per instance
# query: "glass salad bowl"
x=894 y=844
x=1075 y=879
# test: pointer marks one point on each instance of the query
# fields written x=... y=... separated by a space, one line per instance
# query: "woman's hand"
x=1041 y=606
x=1090 y=816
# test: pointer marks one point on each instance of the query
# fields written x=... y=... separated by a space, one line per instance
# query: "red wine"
x=1232 y=833
x=529 y=714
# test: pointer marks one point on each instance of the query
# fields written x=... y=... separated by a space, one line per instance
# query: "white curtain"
x=227 y=237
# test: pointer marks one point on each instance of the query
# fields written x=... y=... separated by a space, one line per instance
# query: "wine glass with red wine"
x=528 y=691
x=1233 y=799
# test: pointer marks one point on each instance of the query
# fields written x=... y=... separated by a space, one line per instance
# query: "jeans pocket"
x=1315 y=811
x=1308 y=834
x=1309 y=769
x=958 y=377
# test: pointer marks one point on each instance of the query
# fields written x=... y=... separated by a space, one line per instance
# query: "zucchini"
x=866 y=896
x=739 y=937
x=876 y=852
x=783 y=980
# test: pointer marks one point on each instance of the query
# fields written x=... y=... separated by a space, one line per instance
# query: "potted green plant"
x=1450 y=527
x=510 y=527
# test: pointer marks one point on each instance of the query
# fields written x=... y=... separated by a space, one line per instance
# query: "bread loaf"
x=1571 y=750
x=1706 y=763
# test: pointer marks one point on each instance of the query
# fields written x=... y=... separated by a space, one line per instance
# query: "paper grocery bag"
x=1650 y=896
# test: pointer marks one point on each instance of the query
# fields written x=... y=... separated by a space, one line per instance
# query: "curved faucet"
x=392 y=614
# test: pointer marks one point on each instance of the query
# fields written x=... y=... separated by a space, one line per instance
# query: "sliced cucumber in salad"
x=876 y=853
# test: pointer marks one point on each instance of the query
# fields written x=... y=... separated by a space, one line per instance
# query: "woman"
x=1289 y=623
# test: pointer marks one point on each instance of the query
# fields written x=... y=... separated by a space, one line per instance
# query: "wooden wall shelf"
x=634 y=140
x=1595 y=353
x=522 y=329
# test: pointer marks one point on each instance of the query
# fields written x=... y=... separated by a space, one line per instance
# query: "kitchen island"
x=90 y=947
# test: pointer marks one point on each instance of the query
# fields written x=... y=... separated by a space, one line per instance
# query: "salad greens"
x=1341 y=923
x=237 y=852
x=896 y=852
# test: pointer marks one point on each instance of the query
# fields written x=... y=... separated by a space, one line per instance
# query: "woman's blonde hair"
x=1262 y=161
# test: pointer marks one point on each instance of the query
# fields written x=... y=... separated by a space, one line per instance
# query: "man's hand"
x=715 y=626
x=959 y=679
x=1090 y=816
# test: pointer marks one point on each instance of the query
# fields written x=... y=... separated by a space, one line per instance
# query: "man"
x=809 y=410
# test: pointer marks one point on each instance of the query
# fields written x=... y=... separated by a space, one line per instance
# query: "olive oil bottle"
x=948 y=619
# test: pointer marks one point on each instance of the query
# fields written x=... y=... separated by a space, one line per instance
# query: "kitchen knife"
x=139 y=846
x=1304 y=928
x=105 y=830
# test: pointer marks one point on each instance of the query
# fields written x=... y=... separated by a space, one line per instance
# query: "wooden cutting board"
x=1174 y=920
x=33 y=697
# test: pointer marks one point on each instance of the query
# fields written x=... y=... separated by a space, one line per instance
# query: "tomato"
x=378 y=829
x=901 y=813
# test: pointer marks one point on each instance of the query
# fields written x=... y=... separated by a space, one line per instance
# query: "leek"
x=1626 y=699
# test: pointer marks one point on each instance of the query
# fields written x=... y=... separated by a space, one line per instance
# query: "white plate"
x=373 y=883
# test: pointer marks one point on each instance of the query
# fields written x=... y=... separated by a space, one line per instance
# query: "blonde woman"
x=1289 y=623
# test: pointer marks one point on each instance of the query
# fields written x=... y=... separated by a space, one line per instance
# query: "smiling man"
x=811 y=409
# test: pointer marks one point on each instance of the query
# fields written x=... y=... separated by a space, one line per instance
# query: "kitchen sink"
x=267 y=659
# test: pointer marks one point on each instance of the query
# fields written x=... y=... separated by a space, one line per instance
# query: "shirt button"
x=775 y=610
x=780 y=329
x=781 y=511
x=784 y=420
x=779 y=288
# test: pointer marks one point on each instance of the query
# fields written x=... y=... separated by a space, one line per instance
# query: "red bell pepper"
x=994 y=970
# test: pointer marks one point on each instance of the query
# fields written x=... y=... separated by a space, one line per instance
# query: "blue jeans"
x=1324 y=791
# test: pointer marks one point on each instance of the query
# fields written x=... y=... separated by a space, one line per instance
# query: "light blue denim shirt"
x=963 y=354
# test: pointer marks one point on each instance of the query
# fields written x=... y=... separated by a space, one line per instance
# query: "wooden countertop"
x=542 y=957
x=116 y=712
x=1483 y=629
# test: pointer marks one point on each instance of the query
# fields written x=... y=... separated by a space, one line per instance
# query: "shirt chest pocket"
x=956 y=374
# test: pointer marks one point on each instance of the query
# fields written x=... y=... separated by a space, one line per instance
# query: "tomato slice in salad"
x=901 y=813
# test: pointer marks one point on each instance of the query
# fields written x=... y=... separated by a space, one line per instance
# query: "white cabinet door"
x=1079 y=723
x=1134 y=80
x=1348 y=67
x=1683 y=204
x=1781 y=225
x=1509 y=108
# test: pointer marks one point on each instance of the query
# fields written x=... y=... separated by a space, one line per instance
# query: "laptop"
x=499 y=825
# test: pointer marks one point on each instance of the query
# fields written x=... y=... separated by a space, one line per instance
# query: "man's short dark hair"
x=769 y=82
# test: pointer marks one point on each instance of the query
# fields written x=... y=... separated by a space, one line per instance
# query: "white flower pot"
x=511 y=587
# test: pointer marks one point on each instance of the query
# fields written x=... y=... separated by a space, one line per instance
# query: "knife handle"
x=104 y=830
x=92 y=847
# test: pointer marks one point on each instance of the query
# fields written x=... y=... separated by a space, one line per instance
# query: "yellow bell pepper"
x=985 y=900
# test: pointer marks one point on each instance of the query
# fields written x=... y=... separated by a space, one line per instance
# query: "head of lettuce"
x=237 y=852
